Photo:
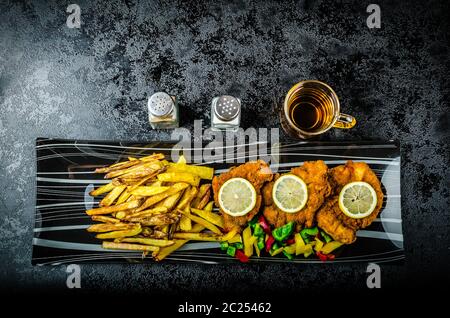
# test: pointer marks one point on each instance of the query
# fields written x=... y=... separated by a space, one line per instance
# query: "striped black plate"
x=65 y=177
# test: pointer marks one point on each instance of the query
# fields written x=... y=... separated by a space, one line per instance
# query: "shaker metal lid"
x=227 y=107
x=160 y=104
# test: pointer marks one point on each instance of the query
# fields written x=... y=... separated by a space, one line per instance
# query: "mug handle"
x=345 y=121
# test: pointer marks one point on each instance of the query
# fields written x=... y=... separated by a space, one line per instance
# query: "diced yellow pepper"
x=308 y=250
x=255 y=245
x=248 y=243
x=319 y=245
x=277 y=251
x=299 y=243
x=330 y=247
x=291 y=249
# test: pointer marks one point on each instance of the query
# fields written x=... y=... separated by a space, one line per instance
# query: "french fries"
x=209 y=216
x=108 y=227
x=147 y=241
x=104 y=219
x=111 y=196
x=188 y=196
x=127 y=246
x=177 y=187
x=114 y=208
x=201 y=221
x=116 y=234
x=149 y=190
x=152 y=205
x=192 y=179
x=103 y=189
x=203 y=172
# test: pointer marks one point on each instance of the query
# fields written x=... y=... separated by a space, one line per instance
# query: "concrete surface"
x=92 y=83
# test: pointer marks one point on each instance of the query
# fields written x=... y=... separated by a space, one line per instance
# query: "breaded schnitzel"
x=257 y=173
x=330 y=217
x=315 y=175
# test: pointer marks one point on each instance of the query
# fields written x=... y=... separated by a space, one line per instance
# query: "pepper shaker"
x=163 y=111
x=225 y=113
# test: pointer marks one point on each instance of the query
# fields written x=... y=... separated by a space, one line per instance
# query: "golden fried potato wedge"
x=112 y=196
x=204 y=201
x=128 y=246
x=117 y=234
x=103 y=189
x=147 y=191
x=188 y=196
x=151 y=165
x=105 y=219
x=201 y=221
x=148 y=241
x=177 y=187
x=159 y=220
x=115 y=208
x=209 y=206
x=190 y=178
x=108 y=227
x=211 y=217
x=203 y=172
x=170 y=202
x=145 y=213
x=123 y=197
x=229 y=235
x=116 y=166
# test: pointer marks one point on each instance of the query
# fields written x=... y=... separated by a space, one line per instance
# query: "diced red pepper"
x=262 y=221
x=325 y=257
x=269 y=243
x=322 y=257
x=241 y=256
x=290 y=241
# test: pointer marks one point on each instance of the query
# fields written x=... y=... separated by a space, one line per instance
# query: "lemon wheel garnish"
x=357 y=199
x=237 y=197
x=290 y=193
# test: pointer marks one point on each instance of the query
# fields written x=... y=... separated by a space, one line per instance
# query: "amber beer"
x=311 y=108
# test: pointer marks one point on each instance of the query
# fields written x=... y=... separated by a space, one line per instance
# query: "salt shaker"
x=225 y=113
x=163 y=111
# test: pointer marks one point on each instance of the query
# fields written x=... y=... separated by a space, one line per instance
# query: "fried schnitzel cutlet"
x=315 y=175
x=257 y=173
x=330 y=217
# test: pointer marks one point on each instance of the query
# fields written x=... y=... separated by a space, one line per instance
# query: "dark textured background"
x=92 y=83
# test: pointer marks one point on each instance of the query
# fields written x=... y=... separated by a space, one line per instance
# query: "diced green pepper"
x=261 y=243
x=275 y=246
x=289 y=256
x=326 y=237
x=223 y=246
x=231 y=250
x=305 y=233
x=253 y=222
x=239 y=245
x=258 y=230
x=283 y=232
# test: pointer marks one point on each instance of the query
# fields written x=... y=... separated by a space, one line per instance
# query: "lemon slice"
x=357 y=199
x=237 y=197
x=290 y=193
